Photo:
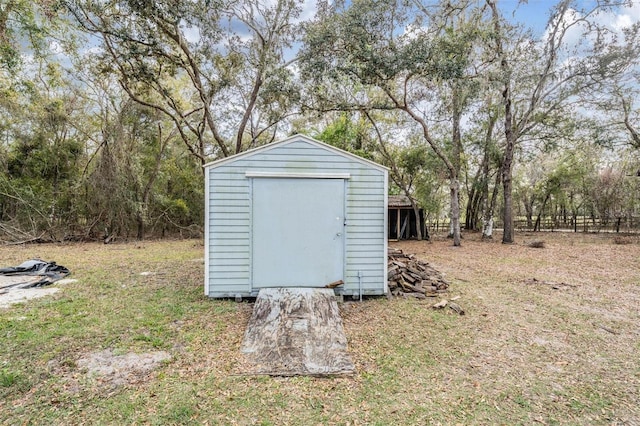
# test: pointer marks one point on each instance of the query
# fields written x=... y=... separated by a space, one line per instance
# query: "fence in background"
x=578 y=224
x=582 y=224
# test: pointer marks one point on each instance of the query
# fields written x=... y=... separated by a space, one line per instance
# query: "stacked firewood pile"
x=410 y=277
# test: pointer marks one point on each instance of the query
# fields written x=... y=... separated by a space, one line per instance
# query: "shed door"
x=298 y=232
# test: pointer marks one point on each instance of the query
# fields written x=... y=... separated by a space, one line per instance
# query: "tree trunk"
x=536 y=227
x=140 y=221
x=487 y=221
x=475 y=201
x=141 y=216
x=507 y=218
x=454 y=186
x=488 y=204
x=416 y=211
x=455 y=162
x=481 y=183
x=528 y=209
x=469 y=222
x=477 y=194
x=510 y=135
x=507 y=172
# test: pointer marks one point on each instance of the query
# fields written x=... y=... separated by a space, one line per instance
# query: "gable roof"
x=289 y=140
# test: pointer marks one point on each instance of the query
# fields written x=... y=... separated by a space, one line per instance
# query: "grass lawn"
x=563 y=349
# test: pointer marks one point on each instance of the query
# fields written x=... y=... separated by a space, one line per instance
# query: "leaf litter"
x=523 y=353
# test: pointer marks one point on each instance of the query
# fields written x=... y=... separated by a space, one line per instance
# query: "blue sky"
x=533 y=14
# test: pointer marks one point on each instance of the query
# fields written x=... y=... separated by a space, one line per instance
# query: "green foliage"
x=216 y=69
x=110 y=140
x=27 y=27
x=363 y=41
x=17 y=19
x=428 y=176
x=413 y=158
x=349 y=134
x=374 y=43
x=143 y=180
x=578 y=183
x=68 y=175
x=43 y=158
x=8 y=378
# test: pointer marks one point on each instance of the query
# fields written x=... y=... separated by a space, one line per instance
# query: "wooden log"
x=411 y=275
x=395 y=277
x=428 y=275
x=414 y=270
x=429 y=288
x=400 y=264
x=416 y=295
x=408 y=277
x=441 y=304
x=417 y=278
x=413 y=289
x=404 y=285
x=334 y=284
x=455 y=307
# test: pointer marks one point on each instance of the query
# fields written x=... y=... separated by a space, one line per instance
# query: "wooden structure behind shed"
x=403 y=224
x=295 y=213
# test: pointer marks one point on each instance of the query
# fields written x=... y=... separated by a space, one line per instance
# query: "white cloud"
x=94 y=50
x=578 y=39
x=622 y=21
x=55 y=47
x=192 y=34
x=411 y=32
x=626 y=17
x=309 y=8
x=575 y=33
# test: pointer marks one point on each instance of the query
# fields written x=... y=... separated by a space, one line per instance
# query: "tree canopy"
x=109 y=108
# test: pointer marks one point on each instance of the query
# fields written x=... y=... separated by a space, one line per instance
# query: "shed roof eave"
x=291 y=139
x=399 y=201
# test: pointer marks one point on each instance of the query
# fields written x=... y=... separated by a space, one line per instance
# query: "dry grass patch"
x=623 y=240
x=566 y=352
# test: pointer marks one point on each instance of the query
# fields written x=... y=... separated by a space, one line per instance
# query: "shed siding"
x=229 y=227
x=229 y=216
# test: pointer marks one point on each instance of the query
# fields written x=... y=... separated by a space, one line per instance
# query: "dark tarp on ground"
x=40 y=273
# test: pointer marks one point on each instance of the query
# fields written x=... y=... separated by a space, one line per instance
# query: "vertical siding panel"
x=207 y=240
x=366 y=236
x=229 y=219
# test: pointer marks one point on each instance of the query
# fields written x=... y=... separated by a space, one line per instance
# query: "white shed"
x=295 y=213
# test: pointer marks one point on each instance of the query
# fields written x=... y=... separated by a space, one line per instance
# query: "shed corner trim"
x=259 y=174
